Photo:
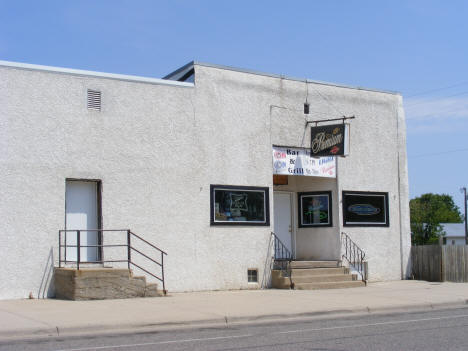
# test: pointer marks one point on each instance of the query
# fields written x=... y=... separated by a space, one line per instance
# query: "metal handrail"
x=354 y=255
x=283 y=257
x=139 y=237
x=128 y=245
x=282 y=253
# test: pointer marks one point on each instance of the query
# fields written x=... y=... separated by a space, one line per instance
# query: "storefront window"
x=239 y=205
x=365 y=209
x=315 y=209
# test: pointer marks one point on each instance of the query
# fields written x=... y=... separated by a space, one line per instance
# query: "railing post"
x=277 y=255
x=129 y=254
x=78 y=242
x=346 y=245
x=274 y=245
x=65 y=243
x=100 y=248
x=162 y=273
x=60 y=249
x=348 y=250
x=363 y=268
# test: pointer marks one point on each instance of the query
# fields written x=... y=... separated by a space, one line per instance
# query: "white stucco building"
x=180 y=160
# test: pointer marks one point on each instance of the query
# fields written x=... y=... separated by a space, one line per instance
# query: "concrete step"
x=100 y=284
x=299 y=272
x=322 y=278
x=139 y=277
x=329 y=285
x=152 y=290
x=278 y=281
x=314 y=264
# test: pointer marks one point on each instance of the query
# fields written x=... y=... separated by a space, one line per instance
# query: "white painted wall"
x=157 y=148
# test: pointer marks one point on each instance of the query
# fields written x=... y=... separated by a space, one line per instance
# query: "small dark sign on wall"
x=330 y=140
x=365 y=209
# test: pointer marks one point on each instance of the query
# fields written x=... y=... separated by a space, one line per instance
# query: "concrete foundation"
x=101 y=284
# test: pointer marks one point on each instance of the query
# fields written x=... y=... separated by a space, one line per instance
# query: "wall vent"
x=94 y=100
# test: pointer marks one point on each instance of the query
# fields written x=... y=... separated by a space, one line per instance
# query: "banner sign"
x=330 y=140
x=296 y=161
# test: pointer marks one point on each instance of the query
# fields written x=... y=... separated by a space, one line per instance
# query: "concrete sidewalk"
x=42 y=318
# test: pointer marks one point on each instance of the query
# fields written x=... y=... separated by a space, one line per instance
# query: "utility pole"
x=463 y=190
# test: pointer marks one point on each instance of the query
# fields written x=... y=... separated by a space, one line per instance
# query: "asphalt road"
x=434 y=330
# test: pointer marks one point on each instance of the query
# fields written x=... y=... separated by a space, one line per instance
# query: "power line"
x=437 y=89
x=438 y=153
x=437 y=114
x=442 y=97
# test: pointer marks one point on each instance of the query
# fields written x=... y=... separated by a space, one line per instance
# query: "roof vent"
x=94 y=100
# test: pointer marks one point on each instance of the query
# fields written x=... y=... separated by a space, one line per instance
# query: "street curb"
x=106 y=329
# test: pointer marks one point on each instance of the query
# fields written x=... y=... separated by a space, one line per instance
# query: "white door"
x=81 y=213
x=282 y=213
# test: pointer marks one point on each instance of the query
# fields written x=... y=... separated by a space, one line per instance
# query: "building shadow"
x=268 y=266
x=46 y=288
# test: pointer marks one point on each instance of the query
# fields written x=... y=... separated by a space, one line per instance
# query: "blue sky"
x=419 y=48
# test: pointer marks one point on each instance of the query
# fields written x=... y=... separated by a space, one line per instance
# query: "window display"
x=315 y=209
x=365 y=209
x=239 y=205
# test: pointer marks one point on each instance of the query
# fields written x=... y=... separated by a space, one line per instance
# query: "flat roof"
x=454 y=229
x=171 y=78
x=186 y=68
x=79 y=72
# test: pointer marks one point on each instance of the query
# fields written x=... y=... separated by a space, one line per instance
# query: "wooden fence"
x=436 y=263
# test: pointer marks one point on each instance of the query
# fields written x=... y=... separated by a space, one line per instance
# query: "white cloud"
x=437 y=108
x=437 y=115
x=435 y=127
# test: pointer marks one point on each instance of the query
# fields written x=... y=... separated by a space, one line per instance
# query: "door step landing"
x=314 y=275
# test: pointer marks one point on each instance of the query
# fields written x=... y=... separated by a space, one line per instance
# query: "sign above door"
x=298 y=161
x=329 y=140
